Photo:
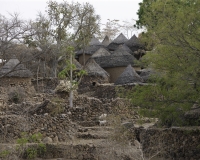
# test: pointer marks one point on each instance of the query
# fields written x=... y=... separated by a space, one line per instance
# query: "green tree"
x=69 y=72
x=173 y=26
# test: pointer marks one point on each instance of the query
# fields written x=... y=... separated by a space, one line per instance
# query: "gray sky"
x=107 y=9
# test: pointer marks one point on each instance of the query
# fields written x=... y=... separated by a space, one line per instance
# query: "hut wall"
x=14 y=82
x=81 y=58
x=114 y=72
x=90 y=81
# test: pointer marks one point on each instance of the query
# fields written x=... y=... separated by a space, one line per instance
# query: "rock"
x=127 y=125
x=55 y=139
x=47 y=140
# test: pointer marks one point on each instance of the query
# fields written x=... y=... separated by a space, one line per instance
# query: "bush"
x=16 y=94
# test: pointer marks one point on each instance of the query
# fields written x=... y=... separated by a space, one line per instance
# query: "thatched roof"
x=78 y=65
x=128 y=76
x=94 y=69
x=124 y=48
x=121 y=39
x=116 y=59
x=94 y=45
x=101 y=52
x=133 y=43
x=94 y=41
x=19 y=71
x=106 y=41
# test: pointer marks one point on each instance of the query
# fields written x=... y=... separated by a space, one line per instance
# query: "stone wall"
x=59 y=128
x=172 y=143
x=15 y=82
x=45 y=85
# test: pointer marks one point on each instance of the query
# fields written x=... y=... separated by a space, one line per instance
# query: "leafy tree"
x=174 y=28
x=71 y=21
x=69 y=73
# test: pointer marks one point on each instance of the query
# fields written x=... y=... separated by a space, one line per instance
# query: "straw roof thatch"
x=94 y=41
x=106 y=41
x=121 y=39
x=94 y=69
x=78 y=65
x=133 y=43
x=19 y=71
x=94 y=45
x=124 y=48
x=101 y=52
x=117 y=59
x=128 y=76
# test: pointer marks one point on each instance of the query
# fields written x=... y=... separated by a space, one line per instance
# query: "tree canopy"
x=173 y=31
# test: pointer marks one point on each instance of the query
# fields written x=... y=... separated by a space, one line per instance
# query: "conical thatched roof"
x=106 y=41
x=78 y=65
x=134 y=44
x=121 y=39
x=101 y=52
x=124 y=48
x=116 y=59
x=94 y=41
x=128 y=76
x=94 y=45
x=94 y=69
x=19 y=71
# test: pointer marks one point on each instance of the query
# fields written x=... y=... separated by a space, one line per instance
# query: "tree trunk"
x=71 y=89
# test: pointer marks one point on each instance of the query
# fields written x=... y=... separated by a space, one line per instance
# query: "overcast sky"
x=107 y=9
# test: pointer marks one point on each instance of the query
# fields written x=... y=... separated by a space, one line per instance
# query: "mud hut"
x=129 y=75
x=121 y=39
x=95 y=75
x=106 y=41
x=13 y=73
x=116 y=63
x=84 y=54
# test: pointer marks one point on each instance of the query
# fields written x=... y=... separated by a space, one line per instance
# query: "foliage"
x=30 y=152
x=57 y=106
x=174 y=28
x=16 y=95
x=4 y=154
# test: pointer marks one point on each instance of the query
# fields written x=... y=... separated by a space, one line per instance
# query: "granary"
x=129 y=75
x=115 y=63
x=84 y=54
x=14 y=73
x=121 y=39
x=106 y=41
x=95 y=74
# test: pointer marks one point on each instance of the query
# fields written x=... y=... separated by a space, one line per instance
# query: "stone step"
x=95 y=128
x=88 y=123
x=94 y=134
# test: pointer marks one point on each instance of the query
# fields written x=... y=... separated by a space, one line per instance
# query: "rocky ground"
x=70 y=133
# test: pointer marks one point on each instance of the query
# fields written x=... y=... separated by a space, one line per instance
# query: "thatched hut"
x=121 y=39
x=136 y=46
x=14 y=73
x=106 y=41
x=116 y=62
x=95 y=75
x=101 y=52
x=129 y=75
x=84 y=54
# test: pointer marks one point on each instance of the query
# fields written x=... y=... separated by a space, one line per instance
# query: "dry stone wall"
x=58 y=128
x=172 y=143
